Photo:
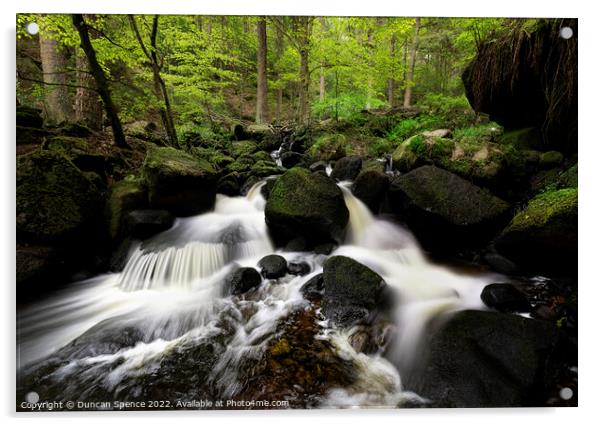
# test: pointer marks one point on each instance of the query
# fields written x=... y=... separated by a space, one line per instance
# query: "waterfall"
x=171 y=292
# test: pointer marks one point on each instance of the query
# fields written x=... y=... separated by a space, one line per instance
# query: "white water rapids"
x=171 y=288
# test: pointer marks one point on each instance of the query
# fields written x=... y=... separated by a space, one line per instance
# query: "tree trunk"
x=261 y=113
x=322 y=84
x=57 y=102
x=407 y=96
x=159 y=84
x=88 y=105
x=304 y=36
x=391 y=81
x=101 y=80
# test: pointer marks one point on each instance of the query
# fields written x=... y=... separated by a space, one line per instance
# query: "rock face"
x=487 y=359
x=351 y=291
x=272 y=266
x=505 y=298
x=179 y=182
x=125 y=196
x=543 y=237
x=313 y=288
x=371 y=187
x=444 y=210
x=347 y=168
x=302 y=204
x=56 y=202
x=291 y=159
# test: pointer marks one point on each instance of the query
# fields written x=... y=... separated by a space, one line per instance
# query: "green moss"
x=569 y=178
x=174 y=162
x=329 y=147
x=243 y=148
x=126 y=195
x=526 y=138
x=262 y=156
x=216 y=158
x=69 y=145
x=545 y=207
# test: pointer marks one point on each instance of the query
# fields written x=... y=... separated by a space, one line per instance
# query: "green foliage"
x=451 y=111
x=380 y=147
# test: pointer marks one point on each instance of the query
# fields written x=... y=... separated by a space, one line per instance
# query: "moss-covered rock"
x=329 y=147
x=125 y=196
x=371 y=187
x=569 y=178
x=218 y=159
x=351 y=291
x=243 y=148
x=347 y=168
x=551 y=159
x=525 y=138
x=262 y=156
x=178 y=181
x=305 y=204
x=263 y=169
x=56 y=202
x=543 y=237
x=445 y=210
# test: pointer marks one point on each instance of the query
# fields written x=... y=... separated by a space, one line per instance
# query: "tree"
x=261 y=115
x=88 y=106
x=58 y=104
x=100 y=78
x=407 y=96
x=159 y=83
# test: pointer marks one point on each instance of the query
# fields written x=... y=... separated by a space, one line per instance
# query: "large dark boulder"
x=445 y=211
x=302 y=204
x=347 y=168
x=56 y=202
x=370 y=187
x=125 y=196
x=487 y=359
x=313 y=289
x=543 y=237
x=505 y=298
x=272 y=266
x=178 y=182
x=527 y=77
x=351 y=291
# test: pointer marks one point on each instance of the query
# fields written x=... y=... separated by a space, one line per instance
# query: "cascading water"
x=170 y=298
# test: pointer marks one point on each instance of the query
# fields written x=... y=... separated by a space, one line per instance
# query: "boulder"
x=243 y=280
x=486 y=359
x=243 y=148
x=228 y=185
x=444 y=210
x=351 y=291
x=56 y=202
x=179 y=182
x=551 y=159
x=272 y=266
x=543 y=237
x=125 y=196
x=303 y=204
x=143 y=224
x=347 y=168
x=505 y=298
x=318 y=166
x=439 y=133
x=370 y=187
x=291 y=159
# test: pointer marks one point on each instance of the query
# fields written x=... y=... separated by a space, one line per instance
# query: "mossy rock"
x=216 y=158
x=551 y=159
x=329 y=147
x=243 y=148
x=178 y=181
x=262 y=156
x=125 y=196
x=420 y=150
x=444 y=210
x=240 y=165
x=30 y=135
x=56 y=202
x=569 y=178
x=69 y=145
x=263 y=169
x=305 y=204
x=543 y=237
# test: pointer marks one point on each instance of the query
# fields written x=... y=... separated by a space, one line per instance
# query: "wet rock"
x=291 y=159
x=487 y=359
x=445 y=211
x=499 y=263
x=272 y=266
x=543 y=237
x=371 y=187
x=347 y=168
x=146 y=223
x=505 y=298
x=179 y=182
x=228 y=185
x=314 y=288
x=125 y=196
x=302 y=204
x=351 y=291
x=243 y=280
x=325 y=248
x=296 y=244
x=298 y=268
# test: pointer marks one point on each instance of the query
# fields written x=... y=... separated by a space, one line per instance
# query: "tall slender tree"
x=100 y=78
x=407 y=96
x=261 y=114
